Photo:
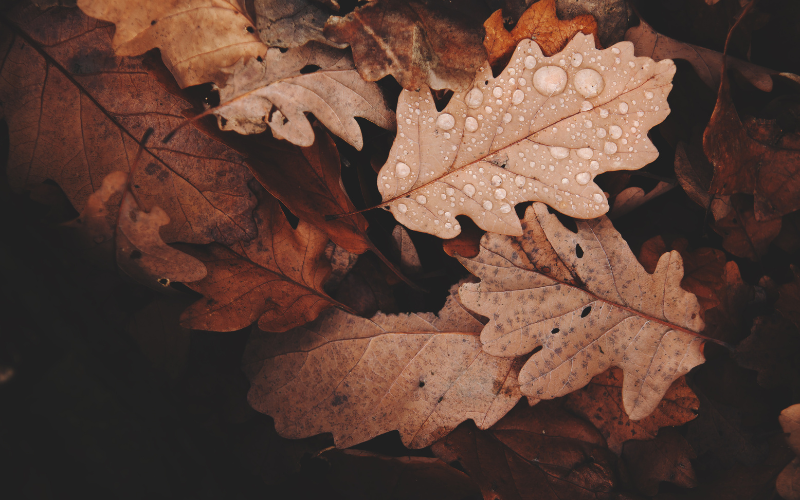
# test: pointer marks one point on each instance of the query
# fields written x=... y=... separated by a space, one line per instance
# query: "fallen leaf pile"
x=400 y=249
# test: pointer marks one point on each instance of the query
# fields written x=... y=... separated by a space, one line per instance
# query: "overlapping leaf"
x=76 y=113
x=542 y=130
x=292 y=23
x=357 y=378
x=582 y=303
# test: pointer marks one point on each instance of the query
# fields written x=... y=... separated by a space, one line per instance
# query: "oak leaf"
x=707 y=63
x=420 y=374
x=288 y=24
x=753 y=157
x=534 y=453
x=582 y=303
x=275 y=279
x=633 y=197
x=772 y=350
x=542 y=130
x=419 y=43
x=278 y=89
x=600 y=402
x=76 y=113
x=539 y=23
x=665 y=458
x=197 y=38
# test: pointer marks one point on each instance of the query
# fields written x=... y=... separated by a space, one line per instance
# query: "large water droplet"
x=594 y=165
x=615 y=131
x=601 y=132
x=586 y=106
x=648 y=95
x=517 y=97
x=496 y=180
x=505 y=208
x=474 y=98
x=530 y=62
x=588 y=82
x=507 y=118
x=583 y=178
x=558 y=152
x=487 y=205
x=446 y=121
x=585 y=153
x=450 y=191
x=500 y=193
x=471 y=124
x=402 y=208
x=402 y=170
x=610 y=148
x=469 y=190
x=519 y=181
x=623 y=107
x=550 y=80
x=497 y=92
x=577 y=59
x=598 y=198
x=421 y=199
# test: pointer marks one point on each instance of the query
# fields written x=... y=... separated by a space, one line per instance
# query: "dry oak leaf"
x=745 y=163
x=357 y=378
x=277 y=90
x=703 y=269
x=600 y=402
x=418 y=43
x=75 y=113
x=788 y=482
x=275 y=279
x=538 y=453
x=542 y=130
x=582 y=303
x=288 y=24
x=197 y=38
x=539 y=23
x=706 y=63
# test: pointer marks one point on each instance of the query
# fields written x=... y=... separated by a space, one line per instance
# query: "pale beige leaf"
x=420 y=374
x=588 y=303
x=278 y=90
x=197 y=38
x=634 y=197
x=540 y=131
x=292 y=23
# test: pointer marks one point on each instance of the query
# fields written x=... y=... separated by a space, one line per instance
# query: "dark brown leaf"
x=665 y=458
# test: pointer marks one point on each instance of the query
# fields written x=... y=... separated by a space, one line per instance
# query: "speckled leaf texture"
x=357 y=378
x=581 y=302
x=540 y=131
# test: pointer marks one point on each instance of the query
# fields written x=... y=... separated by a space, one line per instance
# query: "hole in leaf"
x=153 y=22
x=260 y=59
x=136 y=254
x=223 y=121
x=164 y=281
x=309 y=68
x=422 y=383
x=586 y=311
x=441 y=98
x=283 y=50
x=250 y=29
x=579 y=251
x=555 y=330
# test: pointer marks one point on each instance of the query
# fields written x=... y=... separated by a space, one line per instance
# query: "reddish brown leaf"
x=601 y=403
x=467 y=243
x=703 y=269
x=536 y=453
x=275 y=279
x=727 y=320
x=665 y=458
x=773 y=350
x=76 y=113
x=743 y=234
x=416 y=42
x=539 y=23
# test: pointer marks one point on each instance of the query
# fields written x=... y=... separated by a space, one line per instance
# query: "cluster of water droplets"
x=447 y=160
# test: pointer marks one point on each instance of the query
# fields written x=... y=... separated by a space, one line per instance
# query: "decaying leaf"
x=612 y=16
x=197 y=38
x=694 y=173
x=746 y=160
x=361 y=475
x=278 y=89
x=420 y=374
x=406 y=251
x=706 y=63
x=788 y=483
x=275 y=279
x=665 y=458
x=744 y=235
x=288 y=24
x=601 y=403
x=76 y=113
x=542 y=130
x=773 y=350
x=538 y=23
x=582 y=303
x=417 y=42
x=703 y=269
x=467 y=243
x=633 y=197
x=533 y=453
x=727 y=321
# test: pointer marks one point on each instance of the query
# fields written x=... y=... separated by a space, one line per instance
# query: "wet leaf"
x=582 y=303
x=420 y=374
x=542 y=130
